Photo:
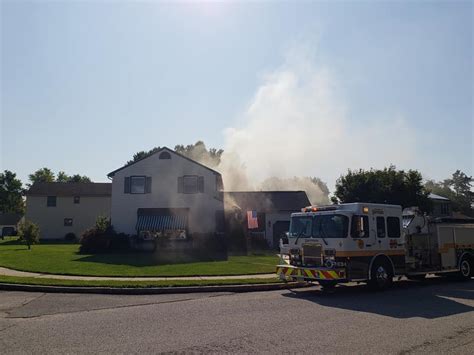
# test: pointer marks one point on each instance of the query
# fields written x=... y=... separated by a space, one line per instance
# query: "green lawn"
x=132 y=284
x=64 y=259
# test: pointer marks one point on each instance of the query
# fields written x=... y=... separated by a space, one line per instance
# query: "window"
x=393 y=227
x=164 y=155
x=300 y=227
x=445 y=208
x=137 y=185
x=381 y=227
x=51 y=201
x=330 y=226
x=360 y=227
x=67 y=222
x=77 y=199
x=190 y=184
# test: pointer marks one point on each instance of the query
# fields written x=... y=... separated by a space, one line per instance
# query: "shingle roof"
x=267 y=201
x=111 y=174
x=70 y=189
x=437 y=197
x=9 y=219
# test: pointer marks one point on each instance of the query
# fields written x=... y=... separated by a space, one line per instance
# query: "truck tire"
x=381 y=275
x=327 y=285
x=465 y=268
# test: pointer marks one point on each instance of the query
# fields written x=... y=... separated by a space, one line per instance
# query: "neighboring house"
x=9 y=223
x=167 y=193
x=442 y=206
x=273 y=210
x=60 y=208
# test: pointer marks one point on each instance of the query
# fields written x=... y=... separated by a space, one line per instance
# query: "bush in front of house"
x=70 y=237
x=29 y=233
x=102 y=238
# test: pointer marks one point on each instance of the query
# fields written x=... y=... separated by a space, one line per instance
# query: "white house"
x=167 y=192
x=61 y=208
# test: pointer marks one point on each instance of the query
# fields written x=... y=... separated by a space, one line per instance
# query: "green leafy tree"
x=457 y=189
x=11 y=193
x=79 y=178
x=29 y=233
x=389 y=186
x=47 y=175
x=42 y=175
x=197 y=151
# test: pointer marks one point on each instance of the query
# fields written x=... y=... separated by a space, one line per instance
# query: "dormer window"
x=164 y=155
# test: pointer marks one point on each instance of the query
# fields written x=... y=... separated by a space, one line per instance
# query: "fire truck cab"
x=371 y=243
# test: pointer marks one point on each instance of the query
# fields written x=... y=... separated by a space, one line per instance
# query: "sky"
x=295 y=88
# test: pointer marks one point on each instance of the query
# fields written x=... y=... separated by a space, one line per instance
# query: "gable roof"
x=9 y=219
x=267 y=201
x=111 y=174
x=437 y=197
x=70 y=189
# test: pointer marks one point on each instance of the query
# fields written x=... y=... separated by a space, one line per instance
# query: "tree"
x=79 y=178
x=197 y=151
x=29 y=233
x=389 y=186
x=47 y=175
x=11 y=193
x=457 y=189
x=41 y=175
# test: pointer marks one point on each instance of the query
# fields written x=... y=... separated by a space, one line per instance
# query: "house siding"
x=164 y=175
x=51 y=219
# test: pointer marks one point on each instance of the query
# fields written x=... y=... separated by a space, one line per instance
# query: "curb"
x=151 y=290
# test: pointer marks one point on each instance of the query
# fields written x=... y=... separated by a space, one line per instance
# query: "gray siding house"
x=60 y=208
x=273 y=210
x=167 y=193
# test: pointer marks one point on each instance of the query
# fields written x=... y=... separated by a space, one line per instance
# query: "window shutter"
x=201 y=183
x=180 y=185
x=126 y=187
x=148 y=185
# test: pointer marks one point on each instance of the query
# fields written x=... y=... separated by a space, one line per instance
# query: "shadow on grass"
x=139 y=259
x=430 y=298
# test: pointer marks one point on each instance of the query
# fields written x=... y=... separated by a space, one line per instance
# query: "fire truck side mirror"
x=358 y=230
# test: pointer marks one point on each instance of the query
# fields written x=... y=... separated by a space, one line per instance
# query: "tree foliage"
x=11 y=193
x=457 y=189
x=197 y=151
x=389 y=186
x=47 y=175
x=42 y=175
x=29 y=233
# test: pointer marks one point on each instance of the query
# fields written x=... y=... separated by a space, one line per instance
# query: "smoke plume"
x=297 y=125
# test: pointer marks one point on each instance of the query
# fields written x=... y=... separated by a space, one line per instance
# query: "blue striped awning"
x=160 y=223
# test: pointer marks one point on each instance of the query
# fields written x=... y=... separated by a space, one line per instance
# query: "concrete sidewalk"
x=9 y=272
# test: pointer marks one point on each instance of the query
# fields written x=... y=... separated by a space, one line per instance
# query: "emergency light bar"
x=319 y=208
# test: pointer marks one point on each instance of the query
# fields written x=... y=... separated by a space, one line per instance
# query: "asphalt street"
x=434 y=316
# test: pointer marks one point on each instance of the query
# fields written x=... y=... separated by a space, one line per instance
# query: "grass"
x=65 y=260
x=132 y=284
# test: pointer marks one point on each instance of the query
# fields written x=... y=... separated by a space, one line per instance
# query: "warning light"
x=365 y=209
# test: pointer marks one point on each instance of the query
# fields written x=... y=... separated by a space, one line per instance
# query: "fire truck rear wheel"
x=465 y=270
x=381 y=275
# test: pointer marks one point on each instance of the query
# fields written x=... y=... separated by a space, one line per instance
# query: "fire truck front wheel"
x=381 y=275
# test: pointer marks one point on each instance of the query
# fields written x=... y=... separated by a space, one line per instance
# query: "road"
x=434 y=316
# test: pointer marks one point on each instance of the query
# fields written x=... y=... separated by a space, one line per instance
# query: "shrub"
x=29 y=233
x=102 y=238
x=70 y=237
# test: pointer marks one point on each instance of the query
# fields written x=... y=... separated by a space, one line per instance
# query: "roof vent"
x=165 y=155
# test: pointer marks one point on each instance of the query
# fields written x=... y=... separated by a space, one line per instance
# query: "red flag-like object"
x=252 y=221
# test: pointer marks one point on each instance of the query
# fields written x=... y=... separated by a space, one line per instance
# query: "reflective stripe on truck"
x=310 y=273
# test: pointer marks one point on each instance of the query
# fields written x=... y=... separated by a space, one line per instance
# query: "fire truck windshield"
x=319 y=226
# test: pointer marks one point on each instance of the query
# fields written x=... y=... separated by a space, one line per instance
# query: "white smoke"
x=296 y=125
